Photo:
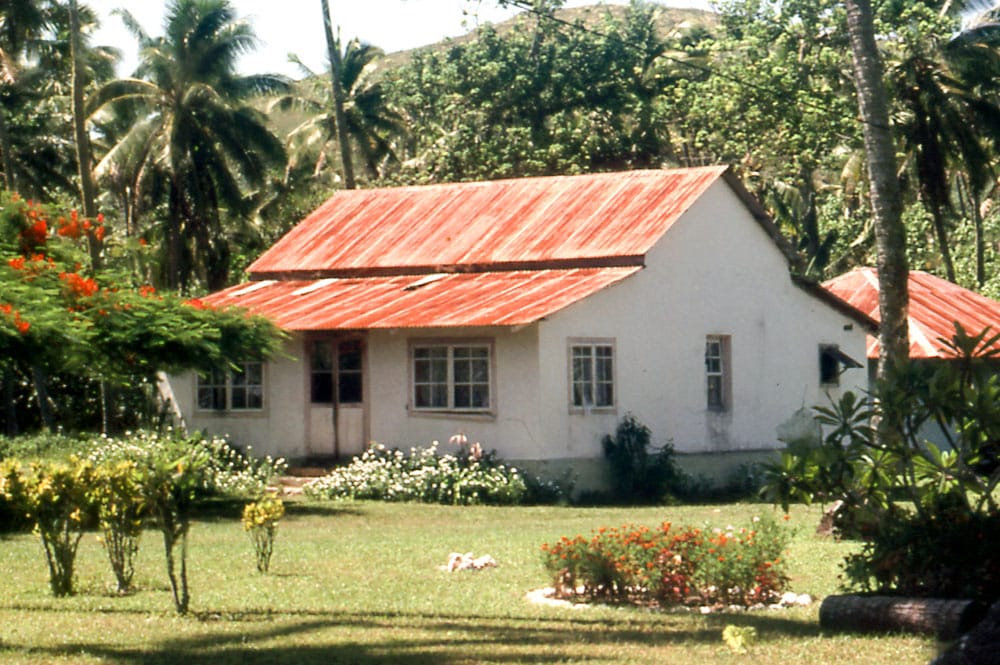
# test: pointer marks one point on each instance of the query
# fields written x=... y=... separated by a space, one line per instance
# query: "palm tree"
x=946 y=120
x=890 y=236
x=21 y=24
x=370 y=123
x=193 y=124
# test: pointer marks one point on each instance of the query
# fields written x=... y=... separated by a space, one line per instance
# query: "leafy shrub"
x=119 y=495
x=260 y=520
x=422 y=475
x=640 y=472
x=55 y=496
x=928 y=514
x=672 y=566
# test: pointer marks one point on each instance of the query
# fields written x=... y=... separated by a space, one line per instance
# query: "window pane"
x=422 y=397
x=463 y=370
x=715 y=392
x=239 y=398
x=322 y=388
x=255 y=397
x=463 y=397
x=255 y=373
x=481 y=371
x=322 y=356
x=604 y=369
x=349 y=386
x=205 y=398
x=440 y=396
x=349 y=356
x=605 y=395
x=481 y=396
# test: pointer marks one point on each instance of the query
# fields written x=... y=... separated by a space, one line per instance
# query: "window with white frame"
x=592 y=374
x=239 y=389
x=717 y=374
x=452 y=377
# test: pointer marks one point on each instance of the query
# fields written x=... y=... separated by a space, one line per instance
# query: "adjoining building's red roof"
x=508 y=298
x=935 y=306
x=553 y=222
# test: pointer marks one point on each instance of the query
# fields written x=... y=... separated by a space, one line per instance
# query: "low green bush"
x=671 y=566
x=641 y=472
x=421 y=474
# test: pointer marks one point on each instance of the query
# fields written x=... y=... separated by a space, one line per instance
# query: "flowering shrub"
x=55 y=497
x=118 y=493
x=260 y=520
x=227 y=472
x=670 y=566
x=423 y=475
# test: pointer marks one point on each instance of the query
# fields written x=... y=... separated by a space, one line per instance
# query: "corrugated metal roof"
x=555 y=222
x=508 y=298
x=935 y=306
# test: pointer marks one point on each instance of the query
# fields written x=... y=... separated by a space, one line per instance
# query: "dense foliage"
x=927 y=512
x=673 y=566
x=71 y=335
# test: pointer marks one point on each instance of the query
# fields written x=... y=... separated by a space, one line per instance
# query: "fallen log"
x=945 y=618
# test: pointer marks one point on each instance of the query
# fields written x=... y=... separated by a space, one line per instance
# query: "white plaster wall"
x=513 y=431
x=715 y=272
x=278 y=429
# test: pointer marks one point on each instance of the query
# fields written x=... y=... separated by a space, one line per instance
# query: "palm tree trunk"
x=941 y=233
x=333 y=48
x=890 y=236
x=9 y=175
x=87 y=189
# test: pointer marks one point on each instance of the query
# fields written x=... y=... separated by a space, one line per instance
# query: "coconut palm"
x=195 y=126
x=22 y=22
x=370 y=122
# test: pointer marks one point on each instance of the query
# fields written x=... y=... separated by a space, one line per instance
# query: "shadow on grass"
x=227 y=510
x=314 y=637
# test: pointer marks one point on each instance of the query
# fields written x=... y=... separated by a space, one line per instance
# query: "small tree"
x=55 y=496
x=171 y=480
x=60 y=317
x=260 y=520
x=117 y=493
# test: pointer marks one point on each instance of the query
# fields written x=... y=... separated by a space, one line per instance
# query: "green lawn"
x=359 y=583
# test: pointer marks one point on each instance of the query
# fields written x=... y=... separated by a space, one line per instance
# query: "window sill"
x=447 y=414
x=597 y=410
x=231 y=413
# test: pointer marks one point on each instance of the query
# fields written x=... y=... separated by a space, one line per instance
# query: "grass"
x=359 y=583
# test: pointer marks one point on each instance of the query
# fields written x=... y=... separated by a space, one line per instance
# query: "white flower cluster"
x=229 y=472
x=421 y=475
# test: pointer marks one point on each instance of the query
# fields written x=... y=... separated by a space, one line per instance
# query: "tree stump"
x=947 y=619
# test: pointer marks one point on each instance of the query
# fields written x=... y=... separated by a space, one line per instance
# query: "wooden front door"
x=337 y=395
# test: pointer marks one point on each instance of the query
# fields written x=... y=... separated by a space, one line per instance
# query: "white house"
x=532 y=315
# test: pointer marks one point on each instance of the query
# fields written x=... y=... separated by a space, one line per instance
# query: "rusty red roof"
x=935 y=306
x=508 y=298
x=591 y=220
